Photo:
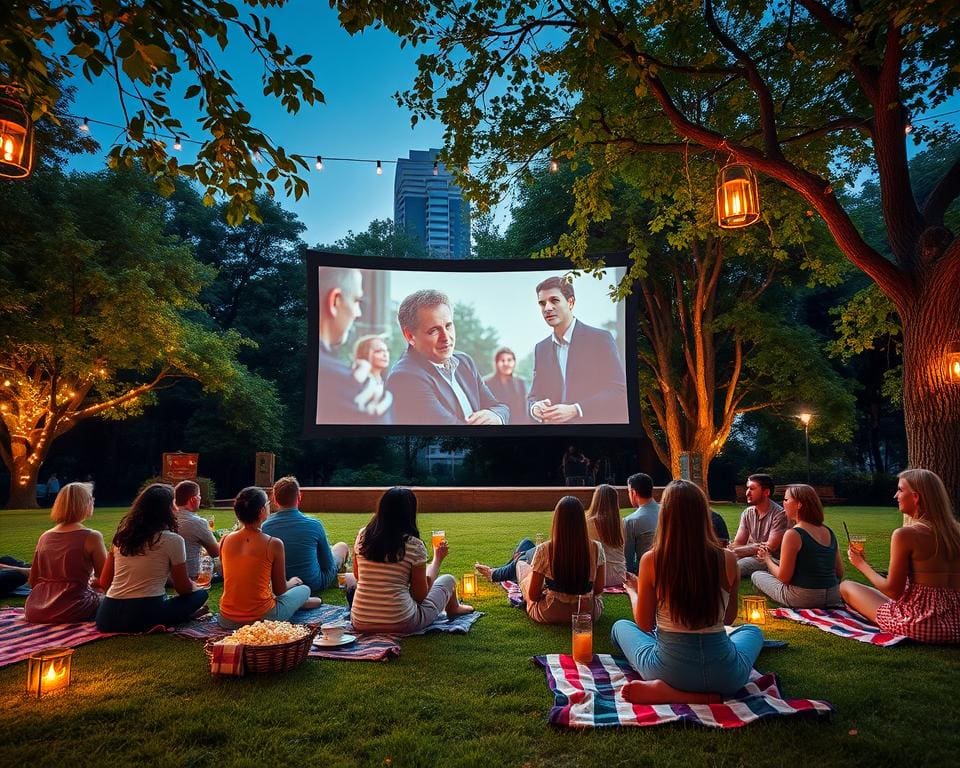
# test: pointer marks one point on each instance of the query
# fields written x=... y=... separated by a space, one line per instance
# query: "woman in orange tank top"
x=255 y=586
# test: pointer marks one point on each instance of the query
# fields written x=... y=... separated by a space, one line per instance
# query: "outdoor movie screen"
x=506 y=347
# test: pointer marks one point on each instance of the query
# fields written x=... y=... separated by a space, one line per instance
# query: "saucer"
x=321 y=642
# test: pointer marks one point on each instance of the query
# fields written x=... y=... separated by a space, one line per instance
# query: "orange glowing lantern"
x=469 y=585
x=16 y=138
x=738 y=196
x=953 y=361
x=48 y=671
x=755 y=609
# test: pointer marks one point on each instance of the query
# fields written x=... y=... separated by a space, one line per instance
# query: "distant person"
x=762 y=523
x=641 y=525
x=809 y=571
x=308 y=554
x=371 y=361
x=147 y=551
x=506 y=387
x=255 y=586
x=682 y=598
x=67 y=556
x=433 y=384
x=605 y=525
x=194 y=529
x=920 y=596
x=13 y=574
x=343 y=397
x=53 y=487
x=577 y=371
x=576 y=467
x=397 y=591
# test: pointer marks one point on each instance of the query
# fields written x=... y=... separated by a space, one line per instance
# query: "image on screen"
x=466 y=347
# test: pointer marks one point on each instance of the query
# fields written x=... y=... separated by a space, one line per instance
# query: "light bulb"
x=176 y=143
x=85 y=126
x=554 y=166
x=319 y=163
x=379 y=169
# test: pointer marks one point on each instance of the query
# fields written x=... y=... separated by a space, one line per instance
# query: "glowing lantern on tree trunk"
x=738 y=196
x=16 y=138
x=953 y=361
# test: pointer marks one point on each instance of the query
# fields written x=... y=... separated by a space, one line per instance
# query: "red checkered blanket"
x=590 y=696
x=842 y=624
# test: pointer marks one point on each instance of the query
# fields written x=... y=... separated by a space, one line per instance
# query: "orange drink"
x=582 y=624
x=437 y=539
x=858 y=543
x=211 y=521
x=342 y=580
x=203 y=578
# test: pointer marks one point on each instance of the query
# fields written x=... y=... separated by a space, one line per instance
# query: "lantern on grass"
x=48 y=671
x=953 y=361
x=469 y=585
x=16 y=137
x=755 y=609
x=738 y=196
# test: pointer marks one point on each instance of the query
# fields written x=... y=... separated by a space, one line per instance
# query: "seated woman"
x=809 y=572
x=396 y=590
x=920 y=596
x=66 y=557
x=605 y=525
x=686 y=588
x=14 y=573
x=566 y=574
x=255 y=586
x=146 y=552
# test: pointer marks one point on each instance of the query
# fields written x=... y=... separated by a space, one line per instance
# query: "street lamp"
x=805 y=420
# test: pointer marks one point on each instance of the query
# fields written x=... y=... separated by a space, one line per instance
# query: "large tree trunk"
x=23 y=484
x=931 y=402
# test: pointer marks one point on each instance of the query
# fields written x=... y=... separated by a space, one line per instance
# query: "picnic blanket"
x=516 y=597
x=19 y=638
x=589 y=696
x=842 y=624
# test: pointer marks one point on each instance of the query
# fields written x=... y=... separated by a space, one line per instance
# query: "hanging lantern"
x=16 y=138
x=738 y=196
x=953 y=361
x=48 y=671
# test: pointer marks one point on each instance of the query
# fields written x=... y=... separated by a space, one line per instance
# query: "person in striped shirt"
x=397 y=590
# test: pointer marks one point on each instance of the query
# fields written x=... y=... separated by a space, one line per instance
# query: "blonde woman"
x=920 y=596
x=605 y=525
x=67 y=556
x=809 y=571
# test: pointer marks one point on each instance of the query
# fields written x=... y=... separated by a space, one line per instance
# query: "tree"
x=144 y=47
x=99 y=310
x=382 y=238
x=809 y=93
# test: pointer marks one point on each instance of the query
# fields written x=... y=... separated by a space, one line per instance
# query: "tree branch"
x=945 y=192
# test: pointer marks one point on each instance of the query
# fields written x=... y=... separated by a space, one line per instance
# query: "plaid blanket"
x=589 y=696
x=516 y=597
x=842 y=624
x=458 y=626
x=18 y=638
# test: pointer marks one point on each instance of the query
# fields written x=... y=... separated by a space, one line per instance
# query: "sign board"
x=264 y=468
x=180 y=466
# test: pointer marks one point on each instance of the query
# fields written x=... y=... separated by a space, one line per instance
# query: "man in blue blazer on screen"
x=431 y=383
x=577 y=371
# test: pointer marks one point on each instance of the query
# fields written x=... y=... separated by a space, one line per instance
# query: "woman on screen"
x=372 y=354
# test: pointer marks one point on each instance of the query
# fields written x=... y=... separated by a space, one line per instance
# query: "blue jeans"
x=287 y=604
x=702 y=663
x=508 y=572
x=138 y=614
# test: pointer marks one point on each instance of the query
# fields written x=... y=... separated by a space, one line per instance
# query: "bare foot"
x=461 y=610
x=484 y=570
x=312 y=602
x=658 y=692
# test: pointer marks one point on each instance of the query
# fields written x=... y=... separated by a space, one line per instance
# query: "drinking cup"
x=211 y=521
x=205 y=573
x=858 y=543
x=332 y=632
x=582 y=624
x=437 y=539
x=342 y=580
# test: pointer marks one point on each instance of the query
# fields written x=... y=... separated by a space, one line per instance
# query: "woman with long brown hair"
x=565 y=575
x=920 y=596
x=686 y=588
x=605 y=525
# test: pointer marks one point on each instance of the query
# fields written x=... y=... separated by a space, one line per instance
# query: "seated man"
x=194 y=529
x=13 y=574
x=762 y=523
x=639 y=527
x=308 y=554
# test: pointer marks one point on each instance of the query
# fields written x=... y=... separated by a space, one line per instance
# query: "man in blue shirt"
x=308 y=554
x=640 y=526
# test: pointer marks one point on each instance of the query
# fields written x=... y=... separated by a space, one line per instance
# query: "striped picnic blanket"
x=842 y=624
x=19 y=638
x=589 y=696
x=516 y=597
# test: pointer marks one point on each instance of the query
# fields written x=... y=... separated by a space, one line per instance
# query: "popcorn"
x=267 y=633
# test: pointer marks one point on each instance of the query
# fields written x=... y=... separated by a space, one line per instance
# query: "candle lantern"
x=469 y=585
x=48 y=671
x=738 y=196
x=755 y=609
x=953 y=361
x=16 y=137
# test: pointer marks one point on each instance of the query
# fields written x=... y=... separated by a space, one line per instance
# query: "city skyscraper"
x=429 y=205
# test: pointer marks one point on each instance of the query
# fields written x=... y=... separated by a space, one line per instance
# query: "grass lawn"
x=464 y=700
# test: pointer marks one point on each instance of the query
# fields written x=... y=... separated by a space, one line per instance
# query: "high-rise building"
x=429 y=205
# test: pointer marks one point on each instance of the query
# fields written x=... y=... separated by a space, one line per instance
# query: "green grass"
x=471 y=700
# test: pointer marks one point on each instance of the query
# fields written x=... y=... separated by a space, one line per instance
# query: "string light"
x=319 y=163
x=554 y=165
x=908 y=128
x=85 y=126
x=176 y=143
x=379 y=169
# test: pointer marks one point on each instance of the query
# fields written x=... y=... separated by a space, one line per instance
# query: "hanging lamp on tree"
x=738 y=196
x=16 y=136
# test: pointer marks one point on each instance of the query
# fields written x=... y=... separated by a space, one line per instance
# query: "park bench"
x=826 y=493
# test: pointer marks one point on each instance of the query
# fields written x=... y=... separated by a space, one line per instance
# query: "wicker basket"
x=274 y=658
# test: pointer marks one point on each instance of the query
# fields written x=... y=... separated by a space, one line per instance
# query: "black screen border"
x=316 y=258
